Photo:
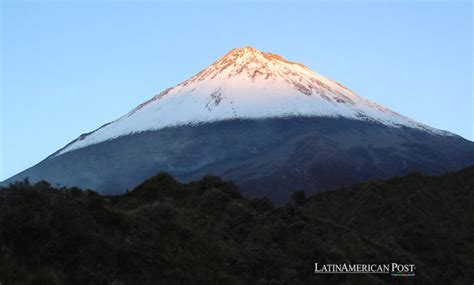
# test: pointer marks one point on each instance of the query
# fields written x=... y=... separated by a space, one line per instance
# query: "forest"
x=206 y=232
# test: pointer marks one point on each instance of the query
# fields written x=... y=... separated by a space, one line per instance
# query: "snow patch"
x=247 y=84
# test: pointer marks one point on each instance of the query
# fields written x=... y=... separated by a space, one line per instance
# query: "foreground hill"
x=165 y=232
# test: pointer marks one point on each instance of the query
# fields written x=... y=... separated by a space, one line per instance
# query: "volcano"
x=271 y=125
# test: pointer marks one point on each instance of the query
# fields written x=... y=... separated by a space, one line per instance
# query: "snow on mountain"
x=247 y=84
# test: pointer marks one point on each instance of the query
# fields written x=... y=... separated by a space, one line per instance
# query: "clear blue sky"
x=68 y=67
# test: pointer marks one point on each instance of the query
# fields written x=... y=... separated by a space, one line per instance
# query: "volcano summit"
x=271 y=125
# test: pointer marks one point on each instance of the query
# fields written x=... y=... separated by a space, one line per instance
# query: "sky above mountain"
x=68 y=67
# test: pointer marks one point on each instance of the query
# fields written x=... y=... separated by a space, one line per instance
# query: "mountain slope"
x=271 y=125
x=271 y=157
x=246 y=84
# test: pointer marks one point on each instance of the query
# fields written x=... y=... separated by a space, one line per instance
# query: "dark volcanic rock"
x=268 y=157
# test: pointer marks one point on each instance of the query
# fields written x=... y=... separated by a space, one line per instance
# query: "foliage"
x=166 y=232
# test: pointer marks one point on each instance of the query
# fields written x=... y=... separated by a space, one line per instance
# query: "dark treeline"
x=204 y=232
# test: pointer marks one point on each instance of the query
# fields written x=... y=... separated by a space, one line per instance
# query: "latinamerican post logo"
x=394 y=269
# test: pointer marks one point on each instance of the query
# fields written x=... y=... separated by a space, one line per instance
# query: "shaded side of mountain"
x=205 y=232
x=268 y=157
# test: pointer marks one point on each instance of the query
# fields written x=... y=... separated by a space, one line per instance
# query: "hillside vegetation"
x=205 y=232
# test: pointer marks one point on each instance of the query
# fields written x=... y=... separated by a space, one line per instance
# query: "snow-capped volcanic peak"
x=246 y=83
